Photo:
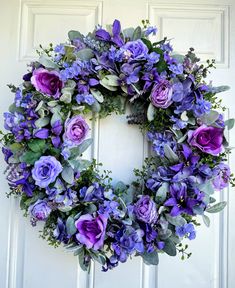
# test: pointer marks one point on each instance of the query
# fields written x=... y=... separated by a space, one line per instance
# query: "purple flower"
x=222 y=175
x=179 y=201
x=42 y=133
x=7 y=153
x=57 y=127
x=138 y=50
x=45 y=170
x=188 y=229
x=159 y=140
x=47 y=82
x=91 y=231
x=60 y=233
x=92 y=193
x=207 y=139
x=161 y=94
x=85 y=98
x=76 y=130
x=40 y=210
x=150 y=30
x=145 y=210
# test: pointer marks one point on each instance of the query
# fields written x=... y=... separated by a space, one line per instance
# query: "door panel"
x=26 y=261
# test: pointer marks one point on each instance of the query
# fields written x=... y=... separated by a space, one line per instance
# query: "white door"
x=208 y=25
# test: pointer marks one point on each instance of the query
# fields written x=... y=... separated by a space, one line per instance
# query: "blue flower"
x=186 y=230
x=159 y=140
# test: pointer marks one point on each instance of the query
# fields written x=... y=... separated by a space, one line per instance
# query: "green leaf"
x=229 y=123
x=170 y=154
x=37 y=145
x=151 y=112
x=210 y=118
x=217 y=207
x=66 y=97
x=96 y=256
x=150 y=258
x=97 y=94
x=72 y=34
x=30 y=157
x=42 y=122
x=110 y=80
x=79 y=164
x=70 y=226
x=137 y=33
x=220 y=89
x=85 y=54
x=176 y=221
x=206 y=220
x=68 y=174
x=46 y=61
x=77 y=151
x=170 y=248
x=147 y=43
x=15 y=147
x=162 y=192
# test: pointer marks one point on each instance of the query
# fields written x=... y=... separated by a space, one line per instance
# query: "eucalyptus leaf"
x=229 y=123
x=220 y=89
x=77 y=151
x=170 y=248
x=85 y=54
x=72 y=34
x=65 y=209
x=176 y=221
x=128 y=33
x=206 y=220
x=68 y=174
x=97 y=95
x=150 y=258
x=207 y=187
x=151 y=112
x=66 y=97
x=70 y=226
x=217 y=207
x=162 y=192
x=46 y=61
x=170 y=154
x=42 y=122
x=210 y=117
x=137 y=33
x=79 y=164
x=178 y=57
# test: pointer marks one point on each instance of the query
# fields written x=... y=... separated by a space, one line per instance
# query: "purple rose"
x=76 y=130
x=137 y=49
x=145 y=210
x=222 y=175
x=207 y=139
x=161 y=94
x=91 y=231
x=47 y=82
x=45 y=170
x=40 y=210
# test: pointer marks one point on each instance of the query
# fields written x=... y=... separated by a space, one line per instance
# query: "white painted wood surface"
x=27 y=261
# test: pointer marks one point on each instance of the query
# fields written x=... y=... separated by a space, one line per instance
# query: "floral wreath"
x=96 y=75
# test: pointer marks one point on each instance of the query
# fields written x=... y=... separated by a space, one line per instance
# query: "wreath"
x=47 y=132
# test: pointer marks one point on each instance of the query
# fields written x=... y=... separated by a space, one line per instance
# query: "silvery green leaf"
x=210 y=118
x=40 y=104
x=176 y=221
x=98 y=257
x=85 y=54
x=78 y=250
x=178 y=57
x=55 y=117
x=95 y=107
x=198 y=210
x=192 y=121
x=42 y=122
x=151 y=112
x=70 y=226
x=183 y=138
x=207 y=188
x=212 y=200
x=206 y=220
x=110 y=80
x=128 y=32
x=68 y=174
x=97 y=94
x=217 y=207
x=161 y=193
x=81 y=262
x=66 y=97
x=220 y=89
x=229 y=123
x=150 y=258
x=65 y=209
x=80 y=164
x=13 y=108
x=165 y=234
x=137 y=33
x=184 y=116
x=90 y=208
x=72 y=34
x=52 y=103
x=170 y=154
x=121 y=186
x=77 y=151
x=170 y=248
x=46 y=61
